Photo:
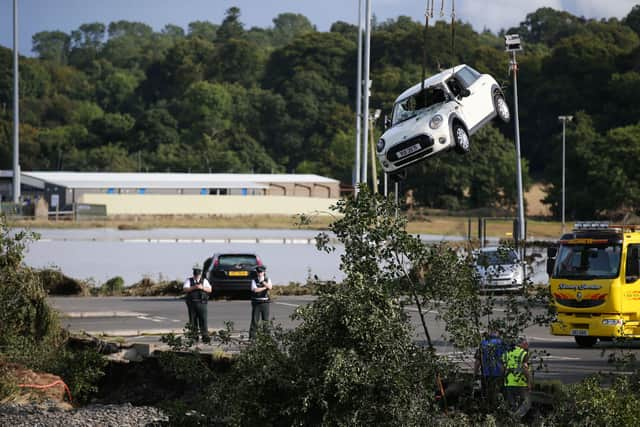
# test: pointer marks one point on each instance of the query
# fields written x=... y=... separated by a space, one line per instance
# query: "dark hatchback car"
x=231 y=273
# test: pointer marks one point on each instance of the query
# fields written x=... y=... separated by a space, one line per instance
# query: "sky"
x=67 y=15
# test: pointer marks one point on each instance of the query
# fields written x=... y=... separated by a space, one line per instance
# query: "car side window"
x=467 y=77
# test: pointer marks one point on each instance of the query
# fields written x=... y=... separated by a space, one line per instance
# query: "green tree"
x=288 y=26
x=203 y=29
x=51 y=45
x=231 y=27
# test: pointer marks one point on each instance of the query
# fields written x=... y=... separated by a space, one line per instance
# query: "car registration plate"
x=579 y=332
x=408 y=150
x=238 y=273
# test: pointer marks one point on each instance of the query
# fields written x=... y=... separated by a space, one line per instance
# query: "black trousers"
x=259 y=312
x=198 y=318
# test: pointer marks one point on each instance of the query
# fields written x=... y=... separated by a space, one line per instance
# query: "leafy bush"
x=30 y=332
x=147 y=287
x=113 y=286
x=56 y=283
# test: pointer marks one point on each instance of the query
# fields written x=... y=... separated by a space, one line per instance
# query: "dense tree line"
x=223 y=98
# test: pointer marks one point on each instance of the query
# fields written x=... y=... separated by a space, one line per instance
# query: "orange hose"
x=38 y=386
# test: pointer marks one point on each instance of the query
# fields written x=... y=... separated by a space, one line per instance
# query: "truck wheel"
x=502 y=109
x=586 y=341
x=461 y=138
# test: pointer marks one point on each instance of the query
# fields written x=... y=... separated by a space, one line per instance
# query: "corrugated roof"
x=171 y=180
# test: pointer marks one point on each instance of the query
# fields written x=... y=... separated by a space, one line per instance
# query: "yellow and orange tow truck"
x=594 y=280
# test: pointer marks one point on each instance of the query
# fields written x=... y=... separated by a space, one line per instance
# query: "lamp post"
x=16 y=109
x=374 y=176
x=357 y=174
x=564 y=120
x=513 y=45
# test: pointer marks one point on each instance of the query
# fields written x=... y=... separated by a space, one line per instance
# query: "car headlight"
x=435 y=121
x=380 y=145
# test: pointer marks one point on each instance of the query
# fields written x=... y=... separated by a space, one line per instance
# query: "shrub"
x=56 y=283
x=113 y=286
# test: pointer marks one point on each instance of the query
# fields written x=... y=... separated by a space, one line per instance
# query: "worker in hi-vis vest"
x=517 y=378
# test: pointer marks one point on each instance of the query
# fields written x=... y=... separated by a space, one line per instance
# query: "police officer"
x=517 y=378
x=259 y=299
x=488 y=365
x=197 y=289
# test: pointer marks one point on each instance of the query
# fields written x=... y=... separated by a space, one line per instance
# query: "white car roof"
x=441 y=77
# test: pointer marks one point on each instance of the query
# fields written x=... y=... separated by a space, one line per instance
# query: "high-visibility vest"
x=514 y=371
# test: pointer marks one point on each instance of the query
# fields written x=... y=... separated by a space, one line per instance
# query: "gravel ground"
x=46 y=415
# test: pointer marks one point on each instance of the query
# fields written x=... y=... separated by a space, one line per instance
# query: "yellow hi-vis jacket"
x=514 y=371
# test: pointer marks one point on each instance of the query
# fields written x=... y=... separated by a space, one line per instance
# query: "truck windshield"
x=584 y=262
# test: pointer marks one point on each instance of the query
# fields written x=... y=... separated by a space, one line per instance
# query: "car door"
x=477 y=105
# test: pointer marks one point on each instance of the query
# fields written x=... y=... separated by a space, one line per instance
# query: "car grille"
x=426 y=146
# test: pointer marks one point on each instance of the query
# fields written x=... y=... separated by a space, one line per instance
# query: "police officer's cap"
x=261 y=269
x=197 y=268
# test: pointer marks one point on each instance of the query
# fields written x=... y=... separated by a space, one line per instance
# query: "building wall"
x=157 y=204
x=308 y=189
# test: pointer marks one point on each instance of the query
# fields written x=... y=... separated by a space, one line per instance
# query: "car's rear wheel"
x=461 y=139
x=502 y=108
x=586 y=341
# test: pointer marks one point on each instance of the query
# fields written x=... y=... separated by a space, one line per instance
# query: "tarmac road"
x=136 y=316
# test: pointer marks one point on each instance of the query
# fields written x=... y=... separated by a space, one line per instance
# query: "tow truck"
x=594 y=280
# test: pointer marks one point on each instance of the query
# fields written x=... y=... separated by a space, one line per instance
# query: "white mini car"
x=455 y=104
x=499 y=269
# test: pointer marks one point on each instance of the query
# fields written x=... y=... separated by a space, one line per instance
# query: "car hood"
x=498 y=270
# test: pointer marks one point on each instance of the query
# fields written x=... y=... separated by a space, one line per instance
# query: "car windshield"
x=243 y=260
x=412 y=105
x=497 y=257
x=583 y=262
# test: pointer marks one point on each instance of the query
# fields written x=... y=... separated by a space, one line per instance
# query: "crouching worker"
x=517 y=378
x=259 y=299
x=197 y=290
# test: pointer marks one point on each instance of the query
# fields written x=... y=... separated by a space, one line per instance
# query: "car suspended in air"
x=438 y=115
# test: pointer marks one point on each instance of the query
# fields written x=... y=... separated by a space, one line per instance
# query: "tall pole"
x=365 y=108
x=357 y=173
x=514 y=65
x=16 y=109
x=564 y=120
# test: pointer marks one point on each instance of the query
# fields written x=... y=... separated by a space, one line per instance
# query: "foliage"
x=113 y=286
x=592 y=403
x=30 y=332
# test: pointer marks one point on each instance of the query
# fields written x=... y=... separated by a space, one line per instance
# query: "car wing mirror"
x=464 y=93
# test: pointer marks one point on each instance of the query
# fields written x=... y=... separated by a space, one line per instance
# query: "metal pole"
x=563 y=169
x=386 y=185
x=358 y=101
x=374 y=174
x=564 y=120
x=365 y=109
x=16 y=109
x=521 y=233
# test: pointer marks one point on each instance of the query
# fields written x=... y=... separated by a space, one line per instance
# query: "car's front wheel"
x=502 y=109
x=461 y=139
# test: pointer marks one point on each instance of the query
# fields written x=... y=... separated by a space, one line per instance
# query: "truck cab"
x=594 y=280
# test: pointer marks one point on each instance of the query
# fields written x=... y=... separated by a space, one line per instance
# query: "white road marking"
x=288 y=304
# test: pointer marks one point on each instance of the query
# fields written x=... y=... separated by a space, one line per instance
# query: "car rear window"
x=229 y=260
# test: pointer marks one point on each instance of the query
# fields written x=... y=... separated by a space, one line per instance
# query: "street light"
x=512 y=44
x=374 y=176
x=564 y=120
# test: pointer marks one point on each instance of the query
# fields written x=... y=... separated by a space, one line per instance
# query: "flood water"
x=102 y=253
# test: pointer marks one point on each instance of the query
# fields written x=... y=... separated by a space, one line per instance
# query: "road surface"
x=135 y=316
